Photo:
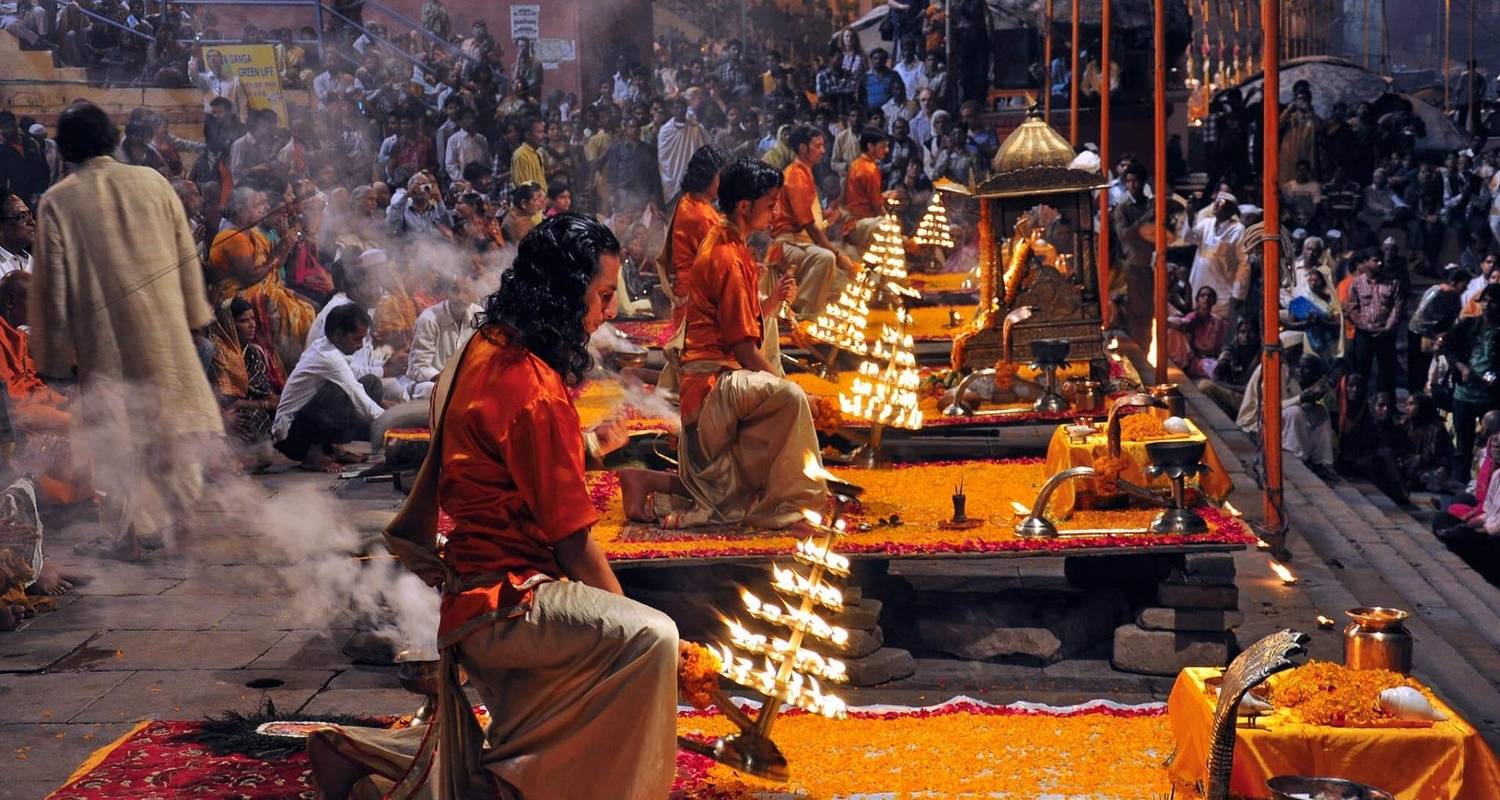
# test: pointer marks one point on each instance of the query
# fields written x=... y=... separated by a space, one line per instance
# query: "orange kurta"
x=794 y=207
x=722 y=310
x=862 y=194
x=512 y=477
x=691 y=223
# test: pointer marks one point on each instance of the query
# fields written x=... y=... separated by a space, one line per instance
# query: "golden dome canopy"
x=1033 y=144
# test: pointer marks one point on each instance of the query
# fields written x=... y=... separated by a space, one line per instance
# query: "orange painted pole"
x=1073 y=111
x=1270 y=365
x=1159 y=293
x=1104 y=165
x=1047 y=66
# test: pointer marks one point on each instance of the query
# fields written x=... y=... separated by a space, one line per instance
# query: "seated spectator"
x=1368 y=435
x=1194 y=339
x=1428 y=446
x=26 y=21
x=1232 y=369
x=1469 y=503
x=1314 y=309
x=559 y=199
x=242 y=379
x=439 y=332
x=526 y=202
x=1306 y=427
x=323 y=404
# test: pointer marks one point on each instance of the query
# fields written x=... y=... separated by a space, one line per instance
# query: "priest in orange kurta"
x=692 y=219
x=863 y=199
x=747 y=431
x=799 y=230
x=571 y=672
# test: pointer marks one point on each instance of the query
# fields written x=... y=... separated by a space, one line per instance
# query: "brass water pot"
x=1378 y=639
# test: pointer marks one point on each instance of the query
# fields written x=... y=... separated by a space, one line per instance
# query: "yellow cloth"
x=1446 y=761
x=526 y=167
x=1063 y=453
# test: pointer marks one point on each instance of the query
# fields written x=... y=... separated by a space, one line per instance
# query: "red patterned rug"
x=1096 y=749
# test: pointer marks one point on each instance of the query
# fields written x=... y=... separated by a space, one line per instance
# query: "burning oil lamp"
x=788 y=672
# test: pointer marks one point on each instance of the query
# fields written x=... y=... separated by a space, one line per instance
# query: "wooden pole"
x=1270 y=365
x=1047 y=66
x=1364 y=18
x=1073 y=111
x=1473 y=66
x=1104 y=164
x=1447 y=51
x=1159 y=293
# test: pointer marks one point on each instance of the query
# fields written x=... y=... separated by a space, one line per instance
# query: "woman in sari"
x=1314 y=309
x=242 y=375
x=1194 y=339
x=245 y=261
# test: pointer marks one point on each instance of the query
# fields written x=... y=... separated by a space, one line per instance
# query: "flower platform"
x=961 y=748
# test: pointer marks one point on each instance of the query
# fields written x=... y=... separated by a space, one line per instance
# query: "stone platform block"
x=1175 y=595
x=1167 y=652
x=1201 y=620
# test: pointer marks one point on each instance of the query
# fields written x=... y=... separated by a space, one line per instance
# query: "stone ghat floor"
x=210 y=631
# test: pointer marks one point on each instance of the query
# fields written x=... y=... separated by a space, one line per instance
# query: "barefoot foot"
x=635 y=488
x=50 y=582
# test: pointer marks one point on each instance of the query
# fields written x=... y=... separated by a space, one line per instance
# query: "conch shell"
x=1404 y=702
x=1176 y=426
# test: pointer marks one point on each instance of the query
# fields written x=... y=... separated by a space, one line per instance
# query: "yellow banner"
x=255 y=64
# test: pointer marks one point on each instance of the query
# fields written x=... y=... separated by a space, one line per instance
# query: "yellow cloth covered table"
x=1063 y=452
x=1445 y=761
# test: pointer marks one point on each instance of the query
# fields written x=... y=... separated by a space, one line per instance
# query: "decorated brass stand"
x=791 y=671
x=1036 y=248
x=1178 y=461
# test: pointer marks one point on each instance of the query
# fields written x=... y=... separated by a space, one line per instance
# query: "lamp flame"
x=1283 y=573
x=1151 y=353
x=813 y=468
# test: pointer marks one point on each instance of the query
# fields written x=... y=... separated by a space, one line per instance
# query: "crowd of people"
x=344 y=246
x=1388 y=310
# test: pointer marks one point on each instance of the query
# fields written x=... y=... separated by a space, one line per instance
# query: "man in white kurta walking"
x=117 y=290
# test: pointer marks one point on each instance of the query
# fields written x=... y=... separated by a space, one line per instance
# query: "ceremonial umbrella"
x=1333 y=80
x=1442 y=134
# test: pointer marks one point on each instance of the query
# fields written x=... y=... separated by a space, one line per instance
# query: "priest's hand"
x=785 y=291
x=847 y=264
x=611 y=435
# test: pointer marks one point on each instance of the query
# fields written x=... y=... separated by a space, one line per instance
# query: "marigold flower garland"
x=960 y=749
x=698 y=675
x=1325 y=693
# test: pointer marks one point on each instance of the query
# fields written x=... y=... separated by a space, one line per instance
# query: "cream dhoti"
x=581 y=671
x=743 y=457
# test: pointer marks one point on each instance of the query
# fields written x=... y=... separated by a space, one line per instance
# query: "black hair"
x=474 y=170
x=84 y=131
x=7 y=118
x=346 y=319
x=541 y=301
x=870 y=137
x=703 y=166
x=556 y=189
x=239 y=305
x=746 y=179
x=522 y=194
x=1490 y=293
x=800 y=135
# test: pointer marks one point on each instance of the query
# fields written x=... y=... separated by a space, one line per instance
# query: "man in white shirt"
x=437 y=335
x=217 y=81
x=17 y=231
x=360 y=286
x=465 y=147
x=1220 y=262
x=910 y=69
x=323 y=404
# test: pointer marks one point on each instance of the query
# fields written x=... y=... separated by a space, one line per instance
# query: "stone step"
x=1167 y=652
x=1404 y=535
x=882 y=666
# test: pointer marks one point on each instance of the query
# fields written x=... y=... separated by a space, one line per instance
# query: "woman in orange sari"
x=243 y=261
